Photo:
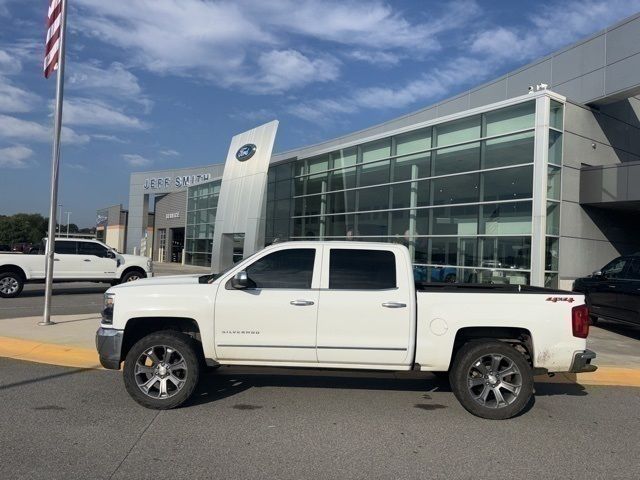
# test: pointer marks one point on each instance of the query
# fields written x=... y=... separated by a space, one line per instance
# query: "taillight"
x=580 y=321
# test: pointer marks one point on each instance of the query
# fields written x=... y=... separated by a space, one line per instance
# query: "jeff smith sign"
x=179 y=181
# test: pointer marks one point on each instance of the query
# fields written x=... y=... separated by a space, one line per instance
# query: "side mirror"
x=240 y=281
x=597 y=274
x=111 y=254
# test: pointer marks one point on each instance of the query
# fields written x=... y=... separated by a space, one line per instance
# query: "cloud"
x=9 y=64
x=15 y=157
x=12 y=127
x=14 y=99
x=376 y=57
x=170 y=153
x=543 y=32
x=113 y=81
x=96 y=113
x=246 y=44
x=427 y=87
x=285 y=69
x=253 y=114
x=109 y=138
x=135 y=160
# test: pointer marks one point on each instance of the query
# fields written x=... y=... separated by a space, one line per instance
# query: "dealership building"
x=532 y=178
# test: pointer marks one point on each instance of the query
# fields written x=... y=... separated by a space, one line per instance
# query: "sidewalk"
x=71 y=342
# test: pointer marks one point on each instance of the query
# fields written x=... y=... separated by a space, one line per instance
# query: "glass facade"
x=202 y=203
x=553 y=197
x=458 y=194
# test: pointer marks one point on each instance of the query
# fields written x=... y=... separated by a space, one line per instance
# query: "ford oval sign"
x=245 y=152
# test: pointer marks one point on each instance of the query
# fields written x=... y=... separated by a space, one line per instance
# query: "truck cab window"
x=615 y=268
x=361 y=269
x=90 y=248
x=284 y=269
x=66 y=248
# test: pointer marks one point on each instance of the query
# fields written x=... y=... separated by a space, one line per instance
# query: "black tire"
x=11 y=284
x=471 y=377
x=183 y=347
x=132 y=276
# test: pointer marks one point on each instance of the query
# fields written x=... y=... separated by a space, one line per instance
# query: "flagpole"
x=55 y=167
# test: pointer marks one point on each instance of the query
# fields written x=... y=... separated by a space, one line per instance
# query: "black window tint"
x=615 y=268
x=90 y=248
x=65 y=247
x=633 y=272
x=361 y=269
x=284 y=269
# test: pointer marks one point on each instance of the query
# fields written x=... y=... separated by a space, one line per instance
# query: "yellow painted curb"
x=613 y=376
x=49 y=353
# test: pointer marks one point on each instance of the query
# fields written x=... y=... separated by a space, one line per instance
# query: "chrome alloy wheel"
x=133 y=278
x=160 y=372
x=494 y=381
x=9 y=285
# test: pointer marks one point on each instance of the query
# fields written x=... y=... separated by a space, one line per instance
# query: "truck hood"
x=125 y=258
x=169 y=280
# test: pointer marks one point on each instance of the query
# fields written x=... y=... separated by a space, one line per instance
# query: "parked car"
x=4 y=247
x=76 y=260
x=348 y=305
x=21 y=247
x=613 y=292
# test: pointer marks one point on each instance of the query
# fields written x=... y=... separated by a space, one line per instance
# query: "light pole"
x=68 y=215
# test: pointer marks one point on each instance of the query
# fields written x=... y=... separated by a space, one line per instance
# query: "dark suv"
x=613 y=292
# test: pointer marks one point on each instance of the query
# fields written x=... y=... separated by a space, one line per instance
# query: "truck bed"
x=486 y=288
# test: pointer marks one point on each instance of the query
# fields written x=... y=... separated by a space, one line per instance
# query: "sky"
x=155 y=84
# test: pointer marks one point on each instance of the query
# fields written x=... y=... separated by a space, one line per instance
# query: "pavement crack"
x=134 y=445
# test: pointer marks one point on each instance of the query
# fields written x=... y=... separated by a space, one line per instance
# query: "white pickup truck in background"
x=76 y=260
x=345 y=305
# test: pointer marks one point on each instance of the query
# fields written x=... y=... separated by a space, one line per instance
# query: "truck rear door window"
x=65 y=247
x=284 y=269
x=361 y=269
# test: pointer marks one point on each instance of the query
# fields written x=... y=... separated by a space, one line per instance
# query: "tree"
x=22 y=227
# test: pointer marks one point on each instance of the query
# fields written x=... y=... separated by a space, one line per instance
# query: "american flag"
x=52 y=44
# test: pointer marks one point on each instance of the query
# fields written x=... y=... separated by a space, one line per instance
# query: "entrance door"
x=275 y=319
x=177 y=244
x=366 y=308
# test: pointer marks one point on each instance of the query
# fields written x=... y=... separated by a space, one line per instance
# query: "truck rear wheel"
x=11 y=284
x=492 y=380
x=161 y=370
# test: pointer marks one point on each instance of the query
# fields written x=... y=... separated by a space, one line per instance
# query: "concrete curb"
x=67 y=356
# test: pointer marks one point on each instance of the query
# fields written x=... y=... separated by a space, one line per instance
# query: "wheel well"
x=14 y=269
x=520 y=338
x=137 y=328
x=132 y=269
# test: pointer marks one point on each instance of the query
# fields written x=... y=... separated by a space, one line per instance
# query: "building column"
x=539 y=208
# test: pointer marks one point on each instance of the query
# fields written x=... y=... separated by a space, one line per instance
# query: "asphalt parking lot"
x=76 y=423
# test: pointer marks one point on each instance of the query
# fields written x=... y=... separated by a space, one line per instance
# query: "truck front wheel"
x=11 y=284
x=492 y=379
x=161 y=370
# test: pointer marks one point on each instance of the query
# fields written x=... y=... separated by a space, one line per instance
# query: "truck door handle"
x=611 y=286
x=56 y=259
x=394 y=305
x=87 y=260
x=301 y=303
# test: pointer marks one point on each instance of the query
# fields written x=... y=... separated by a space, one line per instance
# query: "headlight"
x=107 y=310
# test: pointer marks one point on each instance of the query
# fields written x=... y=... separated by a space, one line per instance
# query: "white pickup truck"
x=346 y=305
x=76 y=260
